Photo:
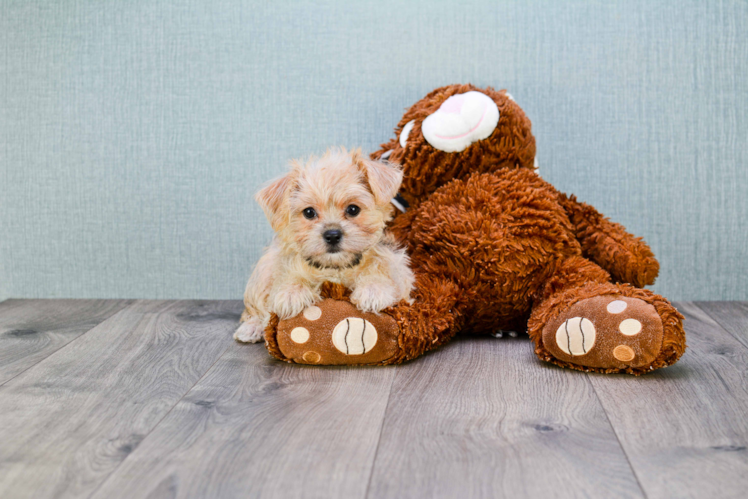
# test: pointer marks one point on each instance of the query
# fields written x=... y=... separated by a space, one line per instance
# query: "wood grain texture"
x=257 y=427
x=684 y=428
x=69 y=421
x=158 y=401
x=484 y=418
x=31 y=330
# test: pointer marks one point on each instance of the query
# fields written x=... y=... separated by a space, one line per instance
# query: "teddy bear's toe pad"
x=606 y=332
x=334 y=332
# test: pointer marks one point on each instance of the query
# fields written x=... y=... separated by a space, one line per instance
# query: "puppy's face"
x=332 y=209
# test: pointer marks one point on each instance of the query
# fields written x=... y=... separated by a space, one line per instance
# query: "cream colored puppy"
x=329 y=216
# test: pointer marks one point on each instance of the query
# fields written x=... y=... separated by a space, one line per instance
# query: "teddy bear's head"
x=455 y=131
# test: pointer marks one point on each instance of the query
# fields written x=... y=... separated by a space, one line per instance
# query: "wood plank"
x=732 y=316
x=70 y=420
x=257 y=427
x=31 y=330
x=684 y=428
x=484 y=418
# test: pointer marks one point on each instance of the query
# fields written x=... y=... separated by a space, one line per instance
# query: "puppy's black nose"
x=333 y=236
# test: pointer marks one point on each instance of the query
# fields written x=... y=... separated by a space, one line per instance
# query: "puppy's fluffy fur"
x=301 y=257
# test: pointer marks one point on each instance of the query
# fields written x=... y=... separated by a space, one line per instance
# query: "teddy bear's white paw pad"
x=354 y=336
x=630 y=326
x=616 y=307
x=312 y=313
x=300 y=335
x=576 y=336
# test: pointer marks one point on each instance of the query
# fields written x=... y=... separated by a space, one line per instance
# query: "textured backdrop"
x=134 y=134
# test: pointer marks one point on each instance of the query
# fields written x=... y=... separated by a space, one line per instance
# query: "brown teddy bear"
x=494 y=247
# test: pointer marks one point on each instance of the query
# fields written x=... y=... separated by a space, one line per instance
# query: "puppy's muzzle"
x=332 y=237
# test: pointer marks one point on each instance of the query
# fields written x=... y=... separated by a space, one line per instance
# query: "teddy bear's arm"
x=626 y=257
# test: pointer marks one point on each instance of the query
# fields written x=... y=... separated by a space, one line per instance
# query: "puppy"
x=329 y=216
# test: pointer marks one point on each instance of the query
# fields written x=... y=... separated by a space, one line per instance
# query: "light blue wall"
x=133 y=134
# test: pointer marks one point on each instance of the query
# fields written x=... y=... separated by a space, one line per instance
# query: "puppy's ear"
x=272 y=200
x=383 y=178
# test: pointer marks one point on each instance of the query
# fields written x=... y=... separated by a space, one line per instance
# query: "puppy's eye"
x=309 y=213
x=352 y=210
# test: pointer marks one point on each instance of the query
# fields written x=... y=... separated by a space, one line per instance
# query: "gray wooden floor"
x=153 y=399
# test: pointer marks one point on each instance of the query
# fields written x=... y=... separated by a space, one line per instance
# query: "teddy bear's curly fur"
x=495 y=247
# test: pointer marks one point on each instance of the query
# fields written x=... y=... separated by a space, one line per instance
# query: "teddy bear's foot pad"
x=607 y=331
x=334 y=332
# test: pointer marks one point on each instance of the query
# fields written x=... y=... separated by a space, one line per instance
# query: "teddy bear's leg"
x=334 y=332
x=627 y=258
x=583 y=321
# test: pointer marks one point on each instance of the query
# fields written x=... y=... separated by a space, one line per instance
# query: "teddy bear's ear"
x=272 y=199
x=383 y=178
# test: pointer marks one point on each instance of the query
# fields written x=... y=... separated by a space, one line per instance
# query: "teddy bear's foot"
x=633 y=331
x=334 y=332
x=606 y=331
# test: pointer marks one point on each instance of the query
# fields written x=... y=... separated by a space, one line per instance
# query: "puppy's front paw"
x=290 y=301
x=374 y=297
x=250 y=331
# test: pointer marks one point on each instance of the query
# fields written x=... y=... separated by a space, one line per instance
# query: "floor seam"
x=741 y=341
x=618 y=439
x=381 y=428
x=63 y=346
x=93 y=493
